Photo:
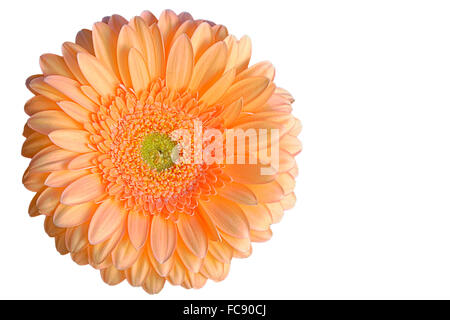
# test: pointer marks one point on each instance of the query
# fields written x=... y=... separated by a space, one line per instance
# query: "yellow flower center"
x=159 y=151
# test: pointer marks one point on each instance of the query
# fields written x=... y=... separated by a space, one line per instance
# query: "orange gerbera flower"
x=113 y=193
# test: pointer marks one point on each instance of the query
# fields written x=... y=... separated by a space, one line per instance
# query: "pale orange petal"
x=107 y=218
x=193 y=235
x=163 y=238
x=138 y=71
x=54 y=64
x=61 y=179
x=47 y=121
x=105 y=46
x=72 y=140
x=238 y=192
x=179 y=64
x=83 y=190
x=227 y=216
x=71 y=216
x=138 y=227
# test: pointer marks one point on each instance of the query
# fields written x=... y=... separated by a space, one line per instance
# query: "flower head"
x=130 y=157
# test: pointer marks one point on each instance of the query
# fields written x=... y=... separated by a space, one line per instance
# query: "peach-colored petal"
x=153 y=283
x=248 y=174
x=218 y=89
x=161 y=268
x=34 y=181
x=70 y=51
x=154 y=49
x=71 y=216
x=221 y=251
x=125 y=254
x=248 y=89
x=138 y=272
x=39 y=86
x=54 y=64
x=177 y=273
x=227 y=216
x=201 y=39
x=75 y=111
x=72 y=140
x=48 y=200
x=51 y=159
x=193 y=235
x=99 y=253
x=287 y=182
x=261 y=69
x=76 y=238
x=138 y=227
x=209 y=67
x=245 y=52
x=112 y=276
x=138 y=71
x=83 y=161
x=288 y=202
x=47 y=121
x=61 y=179
x=168 y=21
x=212 y=268
x=105 y=46
x=83 y=190
x=189 y=260
x=163 y=238
x=116 y=22
x=239 y=244
x=260 y=236
x=35 y=143
x=258 y=216
x=107 y=218
x=179 y=64
x=127 y=40
x=71 y=89
x=38 y=104
x=84 y=39
x=268 y=192
x=238 y=192
x=276 y=211
x=101 y=78
x=148 y=17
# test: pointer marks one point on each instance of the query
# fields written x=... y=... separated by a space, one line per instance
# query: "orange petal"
x=209 y=67
x=260 y=236
x=212 y=268
x=261 y=69
x=148 y=17
x=107 y=218
x=112 y=276
x=76 y=238
x=221 y=251
x=239 y=193
x=51 y=159
x=48 y=200
x=218 y=89
x=268 y=192
x=138 y=71
x=83 y=161
x=244 y=55
x=100 y=78
x=105 y=46
x=99 y=253
x=248 y=89
x=84 y=39
x=72 y=140
x=71 y=89
x=34 y=144
x=61 y=179
x=242 y=245
x=54 y=64
x=137 y=274
x=47 y=121
x=288 y=202
x=179 y=64
x=154 y=48
x=38 y=104
x=193 y=235
x=248 y=174
x=153 y=283
x=201 y=39
x=191 y=261
x=34 y=181
x=125 y=254
x=39 y=86
x=83 y=190
x=127 y=40
x=70 y=51
x=138 y=227
x=227 y=216
x=258 y=217
x=168 y=22
x=75 y=111
x=276 y=211
x=163 y=238
x=71 y=216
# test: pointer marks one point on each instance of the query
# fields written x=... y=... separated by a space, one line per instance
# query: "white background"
x=372 y=83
